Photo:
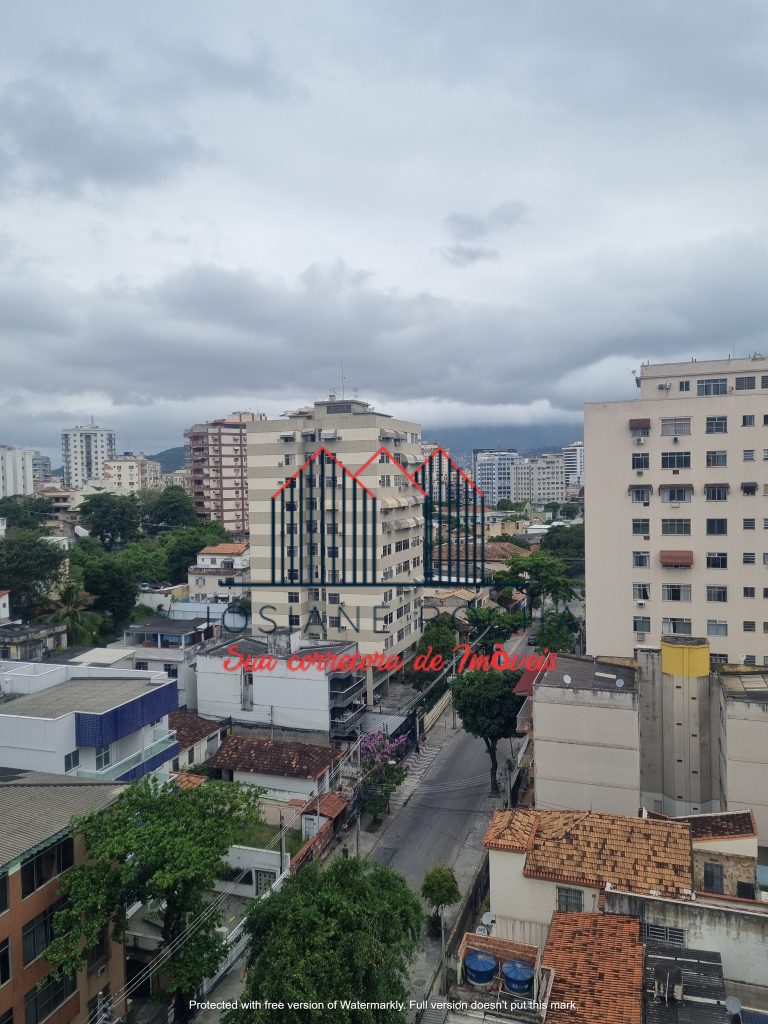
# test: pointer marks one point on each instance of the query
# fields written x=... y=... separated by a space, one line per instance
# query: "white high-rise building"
x=16 y=476
x=382 y=618
x=494 y=473
x=131 y=472
x=573 y=454
x=84 y=450
x=504 y=473
x=677 y=511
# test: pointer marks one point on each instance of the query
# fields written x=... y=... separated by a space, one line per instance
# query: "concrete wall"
x=735 y=870
x=737 y=931
x=278 y=787
x=586 y=749
x=746 y=745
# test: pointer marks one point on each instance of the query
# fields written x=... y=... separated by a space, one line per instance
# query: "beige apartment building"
x=677 y=511
x=218 y=463
x=130 y=473
x=382 y=618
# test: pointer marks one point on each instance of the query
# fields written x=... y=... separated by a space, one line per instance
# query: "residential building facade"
x=494 y=473
x=16 y=475
x=217 y=457
x=573 y=464
x=378 y=617
x=41 y=467
x=34 y=855
x=504 y=473
x=216 y=564
x=677 y=511
x=84 y=450
x=129 y=473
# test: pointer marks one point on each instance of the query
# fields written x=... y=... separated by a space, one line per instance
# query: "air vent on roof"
x=619 y=683
x=567 y=680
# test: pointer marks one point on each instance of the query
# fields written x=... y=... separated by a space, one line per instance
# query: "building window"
x=334 y=598
x=714 y=492
x=749 y=454
x=683 y=385
x=748 y=558
x=718 y=659
x=141 y=665
x=747 y=421
x=672 y=426
x=570 y=900
x=676 y=592
x=45 y=865
x=745 y=383
x=750 y=659
x=293 y=597
x=678 y=627
x=675 y=460
x=640 y=495
x=717 y=627
x=641 y=559
x=717 y=560
x=675 y=526
x=3 y=892
x=38 y=934
x=294 y=620
x=175 y=764
x=103 y=758
x=334 y=621
x=264 y=881
x=171 y=670
x=749 y=489
x=662 y=933
x=713 y=877
x=5 y=961
x=641 y=460
x=749 y=626
x=675 y=494
x=748 y=592
x=641 y=591
x=717 y=459
x=717 y=593
x=7 y=1017
x=71 y=761
x=41 y=1001
x=642 y=526
x=191 y=755
x=717 y=425
x=717 y=526
x=713 y=386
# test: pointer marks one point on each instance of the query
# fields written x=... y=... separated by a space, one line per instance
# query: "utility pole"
x=271 y=721
x=282 y=845
x=359 y=798
x=443 y=987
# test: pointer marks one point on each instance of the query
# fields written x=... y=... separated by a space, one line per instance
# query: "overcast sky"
x=490 y=211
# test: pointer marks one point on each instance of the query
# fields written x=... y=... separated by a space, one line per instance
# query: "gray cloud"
x=463 y=255
x=467 y=227
x=59 y=149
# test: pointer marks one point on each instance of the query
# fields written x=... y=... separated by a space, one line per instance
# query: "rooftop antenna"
x=342 y=378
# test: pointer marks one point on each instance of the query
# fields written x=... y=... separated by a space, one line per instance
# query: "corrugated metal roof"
x=37 y=806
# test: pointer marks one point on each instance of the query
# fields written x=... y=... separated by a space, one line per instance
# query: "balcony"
x=345 y=725
x=345 y=689
x=162 y=741
x=525 y=716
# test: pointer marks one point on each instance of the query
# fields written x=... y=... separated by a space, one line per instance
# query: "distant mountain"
x=527 y=440
x=171 y=459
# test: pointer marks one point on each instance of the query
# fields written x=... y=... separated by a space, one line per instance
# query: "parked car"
x=531 y=639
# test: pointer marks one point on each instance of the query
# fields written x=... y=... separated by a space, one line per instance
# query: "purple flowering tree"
x=382 y=774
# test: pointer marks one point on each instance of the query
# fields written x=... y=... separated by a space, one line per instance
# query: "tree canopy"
x=30 y=567
x=488 y=709
x=440 y=888
x=166 y=510
x=113 y=588
x=112 y=518
x=72 y=608
x=558 y=632
x=500 y=626
x=25 y=513
x=541 y=575
x=567 y=544
x=160 y=843
x=344 y=933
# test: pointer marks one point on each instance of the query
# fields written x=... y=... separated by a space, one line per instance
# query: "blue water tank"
x=480 y=967
x=518 y=975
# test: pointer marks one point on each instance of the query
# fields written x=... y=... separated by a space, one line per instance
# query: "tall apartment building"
x=84 y=450
x=380 y=618
x=217 y=457
x=677 y=511
x=41 y=467
x=504 y=473
x=132 y=472
x=573 y=456
x=15 y=471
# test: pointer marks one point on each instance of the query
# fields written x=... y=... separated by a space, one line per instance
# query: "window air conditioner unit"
x=639 y=440
x=665 y=387
x=641 y=604
x=676 y=440
x=101 y=971
x=639 y=472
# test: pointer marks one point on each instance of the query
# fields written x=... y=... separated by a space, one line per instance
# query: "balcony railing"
x=162 y=741
x=342 y=693
x=525 y=716
x=345 y=723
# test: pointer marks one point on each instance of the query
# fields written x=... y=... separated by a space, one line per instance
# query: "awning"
x=640 y=424
x=676 y=557
x=726 y=486
x=388 y=502
x=752 y=483
x=640 y=487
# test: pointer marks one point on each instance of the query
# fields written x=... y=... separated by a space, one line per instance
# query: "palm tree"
x=72 y=609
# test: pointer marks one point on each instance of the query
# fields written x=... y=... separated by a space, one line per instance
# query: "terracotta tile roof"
x=4 y=592
x=273 y=757
x=495 y=551
x=190 y=727
x=589 y=849
x=331 y=805
x=224 y=549
x=598 y=963
x=186 y=780
x=524 y=685
x=718 y=825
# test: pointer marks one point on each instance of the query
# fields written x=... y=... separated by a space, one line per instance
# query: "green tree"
x=181 y=547
x=166 y=510
x=114 y=589
x=145 y=560
x=113 y=518
x=569 y=510
x=439 y=635
x=25 y=513
x=440 y=888
x=345 y=933
x=558 y=632
x=567 y=544
x=488 y=709
x=30 y=566
x=157 y=843
x=72 y=608
x=499 y=624
x=541 y=575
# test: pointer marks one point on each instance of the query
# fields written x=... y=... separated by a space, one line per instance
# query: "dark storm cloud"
x=63 y=150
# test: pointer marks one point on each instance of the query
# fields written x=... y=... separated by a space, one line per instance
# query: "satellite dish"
x=481 y=930
x=733 y=1006
x=619 y=683
x=487 y=919
x=567 y=680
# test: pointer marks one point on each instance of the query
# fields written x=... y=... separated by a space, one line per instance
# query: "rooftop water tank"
x=480 y=968
x=518 y=975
